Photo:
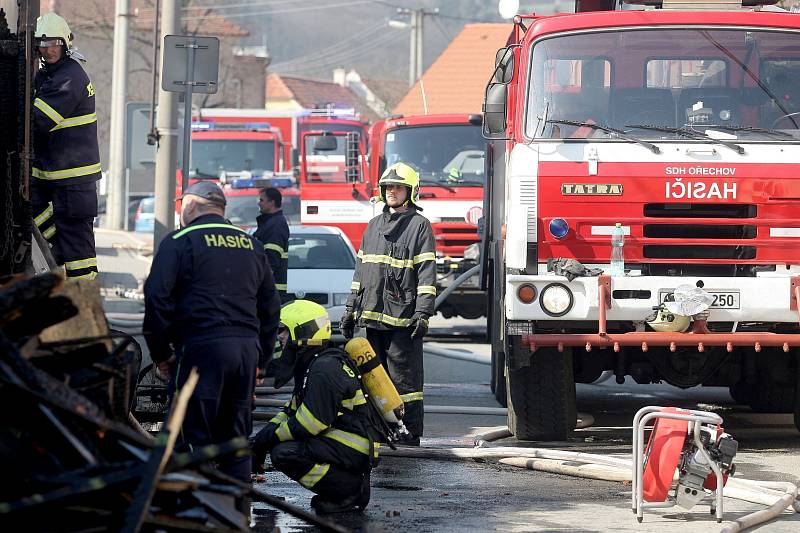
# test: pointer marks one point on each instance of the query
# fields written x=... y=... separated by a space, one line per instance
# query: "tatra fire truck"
x=681 y=123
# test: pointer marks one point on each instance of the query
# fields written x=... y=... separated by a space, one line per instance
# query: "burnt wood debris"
x=73 y=456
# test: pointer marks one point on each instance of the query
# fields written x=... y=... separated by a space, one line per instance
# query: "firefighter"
x=67 y=159
x=211 y=303
x=322 y=438
x=273 y=232
x=393 y=289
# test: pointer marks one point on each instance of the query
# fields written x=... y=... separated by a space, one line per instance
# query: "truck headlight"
x=340 y=298
x=556 y=299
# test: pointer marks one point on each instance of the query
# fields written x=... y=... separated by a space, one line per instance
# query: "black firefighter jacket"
x=209 y=280
x=273 y=232
x=328 y=411
x=65 y=125
x=395 y=276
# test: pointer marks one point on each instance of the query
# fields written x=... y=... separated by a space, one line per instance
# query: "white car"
x=321 y=266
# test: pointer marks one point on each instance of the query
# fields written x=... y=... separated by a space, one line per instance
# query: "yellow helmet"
x=401 y=174
x=52 y=26
x=663 y=320
x=308 y=323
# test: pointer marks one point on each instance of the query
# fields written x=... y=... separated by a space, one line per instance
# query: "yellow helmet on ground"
x=308 y=323
x=401 y=174
x=52 y=26
x=663 y=320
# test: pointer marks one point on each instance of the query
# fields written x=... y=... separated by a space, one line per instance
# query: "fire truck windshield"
x=211 y=157
x=452 y=155
x=739 y=85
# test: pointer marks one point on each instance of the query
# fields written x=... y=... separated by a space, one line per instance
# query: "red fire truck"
x=448 y=151
x=683 y=128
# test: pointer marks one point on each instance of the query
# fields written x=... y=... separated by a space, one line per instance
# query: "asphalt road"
x=434 y=495
x=469 y=495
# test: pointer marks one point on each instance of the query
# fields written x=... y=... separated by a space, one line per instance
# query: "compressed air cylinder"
x=374 y=377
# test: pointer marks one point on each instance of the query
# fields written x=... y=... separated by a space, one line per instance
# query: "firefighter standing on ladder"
x=67 y=157
x=393 y=289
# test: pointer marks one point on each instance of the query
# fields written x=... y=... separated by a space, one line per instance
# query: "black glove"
x=348 y=323
x=262 y=443
x=420 y=324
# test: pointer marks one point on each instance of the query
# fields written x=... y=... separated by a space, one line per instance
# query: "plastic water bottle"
x=617 y=251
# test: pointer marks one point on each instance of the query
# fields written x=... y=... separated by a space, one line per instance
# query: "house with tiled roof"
x=456 y=81
x=289 y=93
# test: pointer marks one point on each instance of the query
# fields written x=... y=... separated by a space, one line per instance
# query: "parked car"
x=145 y=217
x=321 y=266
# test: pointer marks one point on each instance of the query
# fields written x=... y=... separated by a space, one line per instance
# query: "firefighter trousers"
x=220 y=407
x=65 y=216
x=330 y=481
x=402 y=357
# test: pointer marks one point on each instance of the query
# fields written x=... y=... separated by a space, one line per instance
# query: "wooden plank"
x=90 y=321
x=159 y=456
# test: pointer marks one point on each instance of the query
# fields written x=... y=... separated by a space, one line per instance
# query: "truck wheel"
x=774 y=390
x=541 y=397
x=499 y=377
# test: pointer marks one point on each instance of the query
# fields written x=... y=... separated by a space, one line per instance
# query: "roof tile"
x=455 y=82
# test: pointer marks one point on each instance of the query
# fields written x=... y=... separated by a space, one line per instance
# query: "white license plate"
x=722 y=299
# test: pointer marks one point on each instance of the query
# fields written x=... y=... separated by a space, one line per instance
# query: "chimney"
x=339 y=77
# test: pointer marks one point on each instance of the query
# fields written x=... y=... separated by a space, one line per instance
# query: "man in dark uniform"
x=394 y=288
x=322 y=438
x=211 y=298
x=67 y=158
x=273 y=232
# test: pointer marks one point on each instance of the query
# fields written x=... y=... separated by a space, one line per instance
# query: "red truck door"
x=333 y=191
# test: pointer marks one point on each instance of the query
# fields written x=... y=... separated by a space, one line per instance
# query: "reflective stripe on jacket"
x=65 y=125
x=209 y=279
x=329 y=409
x=395 y=274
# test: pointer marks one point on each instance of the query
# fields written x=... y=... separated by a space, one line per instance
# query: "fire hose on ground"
x=777 y=496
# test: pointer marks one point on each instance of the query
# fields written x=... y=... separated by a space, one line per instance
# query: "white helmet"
x=51 y=26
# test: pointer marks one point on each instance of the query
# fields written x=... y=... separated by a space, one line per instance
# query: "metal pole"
x=419 y=61
x=28 y=24
x=127 y=198
x=115 y=204
x=187 y=112
x=152 y=133
x=412 y=53
x=166 y=156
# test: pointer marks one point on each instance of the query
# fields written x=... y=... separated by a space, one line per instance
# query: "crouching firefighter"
x=324 y=437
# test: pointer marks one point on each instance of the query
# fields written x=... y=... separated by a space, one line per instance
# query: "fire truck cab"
x=680 y=122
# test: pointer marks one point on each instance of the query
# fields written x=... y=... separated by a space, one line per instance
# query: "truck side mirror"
x=504 y=65
x=353 y=157
x=494 y=110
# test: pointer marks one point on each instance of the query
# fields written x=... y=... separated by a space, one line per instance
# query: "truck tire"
x=541 y=397
x=499 y=378
x=774 y=390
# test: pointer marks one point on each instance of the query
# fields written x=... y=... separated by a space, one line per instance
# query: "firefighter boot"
x=356 y=502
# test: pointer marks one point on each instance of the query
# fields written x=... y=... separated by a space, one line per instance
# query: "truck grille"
x=700 y=210
x=317 y=297
x=721 y=227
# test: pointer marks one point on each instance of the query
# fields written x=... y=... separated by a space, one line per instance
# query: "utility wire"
x=342 y=58
x=345 y=45
x=277 y=11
